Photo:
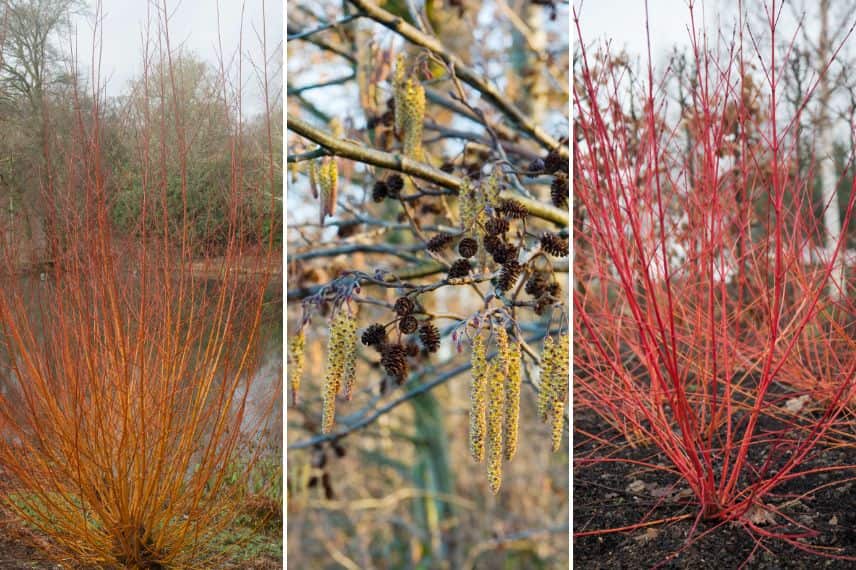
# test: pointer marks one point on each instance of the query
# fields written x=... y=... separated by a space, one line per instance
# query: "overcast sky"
x=193 y=25
x=623 y=22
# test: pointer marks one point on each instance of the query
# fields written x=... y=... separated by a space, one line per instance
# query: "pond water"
x=263 y=414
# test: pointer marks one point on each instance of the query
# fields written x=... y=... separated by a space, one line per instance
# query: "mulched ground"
x=614 y=495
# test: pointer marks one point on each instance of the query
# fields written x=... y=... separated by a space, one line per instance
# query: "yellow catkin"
x=467 y=206
x=350 y=357
x=512 y=401
x=545 y=391
x=495 y=414
x=398 y=92
x=478 y=400
x=491 y=188
x=414 y=116
x=296 y=360
x=559 y=385
x=336 y=351
x=558 y=423
x=313 y=178
x=328 y=180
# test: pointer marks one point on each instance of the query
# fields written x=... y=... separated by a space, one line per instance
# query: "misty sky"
x=193 y=24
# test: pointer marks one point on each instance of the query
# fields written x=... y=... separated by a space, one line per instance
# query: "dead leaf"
x=647 y=536
x=760 y=516
x=795 y=405
x=636 y=486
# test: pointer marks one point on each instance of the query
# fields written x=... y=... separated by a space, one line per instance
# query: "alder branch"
x=371 y=418
x=395 y=278
x=356 y=248
x=321 y=28
x=330 y=83
x=361 y=153
x=463 y=71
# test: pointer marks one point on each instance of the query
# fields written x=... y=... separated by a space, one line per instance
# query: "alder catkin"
x=495 y=415
x=478 y=399
x=296 y=361
x=398 y=92
x=559 y=384
x=328 y=180
x=414 y=116
x=467 y=206
x=512 y=400
x=337 y=355
x=491 y=188
x=545 y=391
x=349 y=331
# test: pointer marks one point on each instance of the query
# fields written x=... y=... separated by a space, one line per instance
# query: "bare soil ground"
x=619 y=494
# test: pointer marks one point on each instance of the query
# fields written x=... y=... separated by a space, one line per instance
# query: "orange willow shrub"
x=129 y=367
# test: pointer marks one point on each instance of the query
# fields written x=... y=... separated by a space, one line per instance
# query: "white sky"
x=623 y=22
x=193 y=25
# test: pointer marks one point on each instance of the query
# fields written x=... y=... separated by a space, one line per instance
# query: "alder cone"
x=460 y=268
x=394 y=361
x=505 y=254
x=404 y=306
x=430 y=337
x=408 y=324
x=492 y=244
x=553 y=162
x=375 y=335
x=439 y=242
x=394 y=184
x=496 y=226
x=380 y=191
x=554 y=245
x=559 y=191
x=468 y=247
x=536 y=285
x=513 y=209
x=508 y=275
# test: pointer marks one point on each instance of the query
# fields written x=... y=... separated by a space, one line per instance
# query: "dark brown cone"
x=468 y=247
x=513 y=209
x=559 y=191
x=505 y=254
x=394 y=185
x=554 y=245
x=496 y=226
x=492 y=244
x=394 y=361
x=536 y=285
x=508 y=275
x=379 y=191
x=430 y=337
x=375 y=335
x=439 y=242
x=404 y=306
x=459 y=268
x=553 y=162
x=408 y=324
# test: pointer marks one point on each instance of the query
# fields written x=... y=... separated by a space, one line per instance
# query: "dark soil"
x=620 y=494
